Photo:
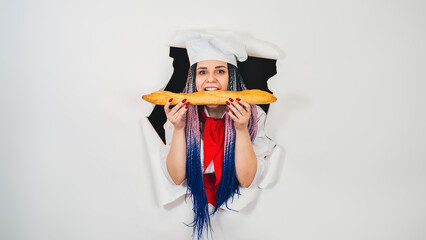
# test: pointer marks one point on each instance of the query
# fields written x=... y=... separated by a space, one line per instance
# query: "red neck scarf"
x=214 y=142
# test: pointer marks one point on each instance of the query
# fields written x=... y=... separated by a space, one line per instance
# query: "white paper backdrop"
x=350 y=115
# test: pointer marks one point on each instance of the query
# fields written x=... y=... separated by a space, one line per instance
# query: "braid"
x=194 y=172
x=229 y=184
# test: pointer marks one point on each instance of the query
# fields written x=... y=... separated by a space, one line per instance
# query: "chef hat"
x=254 y=47
x=224 y=46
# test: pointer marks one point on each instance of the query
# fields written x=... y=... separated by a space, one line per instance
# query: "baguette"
x=220 y=97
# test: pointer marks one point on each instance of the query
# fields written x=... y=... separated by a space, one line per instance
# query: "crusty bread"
x=253 y=96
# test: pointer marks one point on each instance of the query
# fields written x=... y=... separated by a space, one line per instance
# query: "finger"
x=231 y=114
x=233 y=110
x=245 y=105
x=238 y=108
x=167 y=106
x=182 y=111
x=177 y=107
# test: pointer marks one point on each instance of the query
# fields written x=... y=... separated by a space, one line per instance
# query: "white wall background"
x=350 y=115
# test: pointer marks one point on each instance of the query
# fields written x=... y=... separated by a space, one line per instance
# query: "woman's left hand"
x=240 y=112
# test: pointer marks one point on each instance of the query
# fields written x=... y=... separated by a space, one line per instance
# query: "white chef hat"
x=224 y=46
x=254 y=47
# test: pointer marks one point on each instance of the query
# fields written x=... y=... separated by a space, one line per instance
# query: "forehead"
x=211 y=64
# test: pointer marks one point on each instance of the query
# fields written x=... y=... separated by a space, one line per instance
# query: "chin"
x=212 y=105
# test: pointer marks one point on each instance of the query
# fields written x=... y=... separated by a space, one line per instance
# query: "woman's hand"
x=175 y=115
x=240 y=113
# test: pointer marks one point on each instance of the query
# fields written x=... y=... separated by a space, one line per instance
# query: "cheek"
x=224 y=83
x=198 y=84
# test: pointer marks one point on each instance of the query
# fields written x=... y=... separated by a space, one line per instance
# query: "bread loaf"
x=253 y=96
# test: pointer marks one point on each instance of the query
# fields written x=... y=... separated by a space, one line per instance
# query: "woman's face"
x=211 y=75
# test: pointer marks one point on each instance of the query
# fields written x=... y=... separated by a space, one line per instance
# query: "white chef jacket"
x=263 y=147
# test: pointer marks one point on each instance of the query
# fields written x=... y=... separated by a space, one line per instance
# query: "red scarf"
x=214 y=142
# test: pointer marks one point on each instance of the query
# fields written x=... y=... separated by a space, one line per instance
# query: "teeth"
x=211 y=89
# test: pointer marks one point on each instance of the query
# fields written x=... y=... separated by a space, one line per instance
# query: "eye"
x=202 y=72
x=220 y=71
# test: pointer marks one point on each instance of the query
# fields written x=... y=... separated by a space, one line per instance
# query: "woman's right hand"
x=175 y=115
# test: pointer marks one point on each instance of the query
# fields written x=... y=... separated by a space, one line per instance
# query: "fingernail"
x=226 y=109
x=184 y=100
x=238 y=99
x=187 y=103
x=230 y=99
x=186 y=106
x=227 y=102
x=171 y=99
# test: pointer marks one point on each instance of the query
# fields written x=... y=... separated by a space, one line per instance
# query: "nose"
x=211 y=78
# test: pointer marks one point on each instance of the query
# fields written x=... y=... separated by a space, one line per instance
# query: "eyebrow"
x=221 y=66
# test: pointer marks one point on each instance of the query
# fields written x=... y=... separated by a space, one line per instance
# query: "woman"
x=213 y=75
x=211 y=146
